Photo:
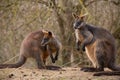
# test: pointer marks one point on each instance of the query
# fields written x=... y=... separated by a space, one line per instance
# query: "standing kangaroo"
x=31 y=47
x=99 y=45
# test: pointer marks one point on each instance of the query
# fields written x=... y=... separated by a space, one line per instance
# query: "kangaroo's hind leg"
x=99 y=59
x=100 y=63
x=38 y=56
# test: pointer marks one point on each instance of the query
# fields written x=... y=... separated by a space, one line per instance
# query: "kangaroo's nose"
x=42 y=43
x=74 y=26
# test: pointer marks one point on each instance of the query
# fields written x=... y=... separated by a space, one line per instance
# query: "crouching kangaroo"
x=31 y=47
x=99 y=45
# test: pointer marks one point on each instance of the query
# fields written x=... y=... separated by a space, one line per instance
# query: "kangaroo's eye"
x=78 y=23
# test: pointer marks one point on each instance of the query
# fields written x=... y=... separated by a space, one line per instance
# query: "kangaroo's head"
x=47 y=38
x=79 y=21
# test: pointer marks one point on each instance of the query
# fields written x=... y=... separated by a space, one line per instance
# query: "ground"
x=67 y=73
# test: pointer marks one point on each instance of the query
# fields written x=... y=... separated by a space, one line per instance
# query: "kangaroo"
x=53 y=44
x=99 y=45
x=31 y=47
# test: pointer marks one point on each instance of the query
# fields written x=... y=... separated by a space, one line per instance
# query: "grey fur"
x=100 y=48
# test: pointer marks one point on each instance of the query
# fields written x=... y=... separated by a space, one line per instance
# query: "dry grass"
x=37 y=74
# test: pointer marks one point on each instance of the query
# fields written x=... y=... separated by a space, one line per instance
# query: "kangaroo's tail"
x=21 y=61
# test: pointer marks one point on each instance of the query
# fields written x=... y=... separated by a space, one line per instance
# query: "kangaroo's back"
x=101 y=33
x=31 y=41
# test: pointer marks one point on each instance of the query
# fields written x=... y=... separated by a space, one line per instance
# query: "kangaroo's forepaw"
x=53 y=60
x=56 y=58
x=83 y=48
x=78 y=49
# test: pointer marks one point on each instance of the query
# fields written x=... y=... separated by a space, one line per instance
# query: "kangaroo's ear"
x=83 y=16
x=50 y=33
x=75 y=16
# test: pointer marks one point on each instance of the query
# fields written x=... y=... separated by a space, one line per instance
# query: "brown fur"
x=101 y=48
x=31 y=47
x=53 y=45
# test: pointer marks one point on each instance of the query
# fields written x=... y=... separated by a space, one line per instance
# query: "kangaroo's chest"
x=79 y=36
x=52 y=48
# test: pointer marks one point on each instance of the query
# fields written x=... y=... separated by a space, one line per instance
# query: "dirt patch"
x=67 y=73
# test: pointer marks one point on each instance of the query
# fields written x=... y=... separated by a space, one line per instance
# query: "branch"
x=89 y=3
x=59 y=18
x=8 y=5
x=116 y=2
x=43 y=2
x=93 y=1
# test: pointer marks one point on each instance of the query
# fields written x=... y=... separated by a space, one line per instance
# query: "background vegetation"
x=20 y=17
